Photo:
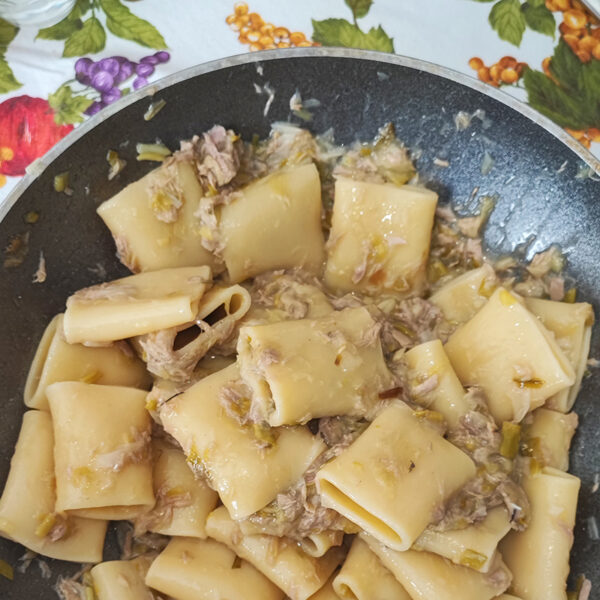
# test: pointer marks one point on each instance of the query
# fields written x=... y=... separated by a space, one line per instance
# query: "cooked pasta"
x=347 y=401
x=285 y=564
x=56 y=360
x=553 y=496
x=102 y=463
x=511 y=355
x=191 y=569
x=247 y=466
x=121 y=579
x=363 y=577
x=28 y=512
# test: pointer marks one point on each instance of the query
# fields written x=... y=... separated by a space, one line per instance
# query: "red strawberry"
x=27 y=131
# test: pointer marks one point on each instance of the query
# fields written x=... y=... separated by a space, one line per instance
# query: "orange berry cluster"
x=505 y=72
x=585 y=137
x=253 y=30
x=579 y=28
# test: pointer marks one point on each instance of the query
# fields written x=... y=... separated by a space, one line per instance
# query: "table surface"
x=546 y=53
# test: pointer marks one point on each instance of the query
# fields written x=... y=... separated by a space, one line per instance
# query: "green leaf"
x=339 y=32
x=71 y=23
x=61 y=31
x=359 y=8
x=551 y=100
x=7 y=33
x=571 y=96
x=589 y=92
x=508 y=20
x=539 y=18
x=82 y=6
x=536 y=3
x=68 y=108
x=565 y=66
x=8 y=81
x=91 y=38
x=124 y=24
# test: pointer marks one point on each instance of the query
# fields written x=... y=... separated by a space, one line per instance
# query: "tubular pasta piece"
x=426 y=576
x=447 y=396
x=283 y=562
x=374 y=483
x=463 y=296
x=27 y=505
x=572 y=327
x=317 y=544
x=150 y=231
x=246 y=475
x=102 y=450
x=135 y=305
x=549 y=437
x=122 y=579
x=274 y=223
x=174 y=353
x=363 y=577
x=474 y=546
x=326 y=592
x=506 y=351
x=380 y=235
x=310 y=368
x=56 y=360
x=539 y=556
x=192 y=569
x=182 y=501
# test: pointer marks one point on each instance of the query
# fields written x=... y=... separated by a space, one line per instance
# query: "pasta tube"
x=426 y=576
x=135 y=305
x=511 y=355
x=326 y=592
x=309 y=368
x=434 y=383
x=274 y=223
x=153 y=223
x=101 y=449
x=56 y=360
x=174 y=353
x=380 y=235
x=191 y=569
x=548 y=437
x=363 y=577
x=463 y=296
x=247 y=465
x=121 y=579
x=182 y=501
x=28 y=512
x=474 y=546
x=317 y=544
x=539 y=556
x=375 y=481
x=284 y=563
x=572 y=328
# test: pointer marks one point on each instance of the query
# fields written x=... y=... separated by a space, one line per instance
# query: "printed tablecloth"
x=544 y=52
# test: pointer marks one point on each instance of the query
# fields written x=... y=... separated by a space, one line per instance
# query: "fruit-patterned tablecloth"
x=544 y=52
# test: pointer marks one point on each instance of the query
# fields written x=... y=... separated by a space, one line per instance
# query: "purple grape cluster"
x=107 y=74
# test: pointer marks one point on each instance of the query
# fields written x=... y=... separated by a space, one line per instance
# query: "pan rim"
x=38 y=166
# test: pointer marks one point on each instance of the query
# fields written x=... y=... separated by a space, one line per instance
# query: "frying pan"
x=539 y=174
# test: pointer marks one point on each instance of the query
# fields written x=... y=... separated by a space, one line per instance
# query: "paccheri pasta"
x=349 y=401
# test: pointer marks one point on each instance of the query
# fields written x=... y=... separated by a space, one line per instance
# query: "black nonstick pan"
x=546 y=188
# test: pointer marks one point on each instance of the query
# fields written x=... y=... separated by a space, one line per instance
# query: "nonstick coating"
x=539 y=201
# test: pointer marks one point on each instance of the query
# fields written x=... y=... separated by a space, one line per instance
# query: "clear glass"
x=35 y=13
